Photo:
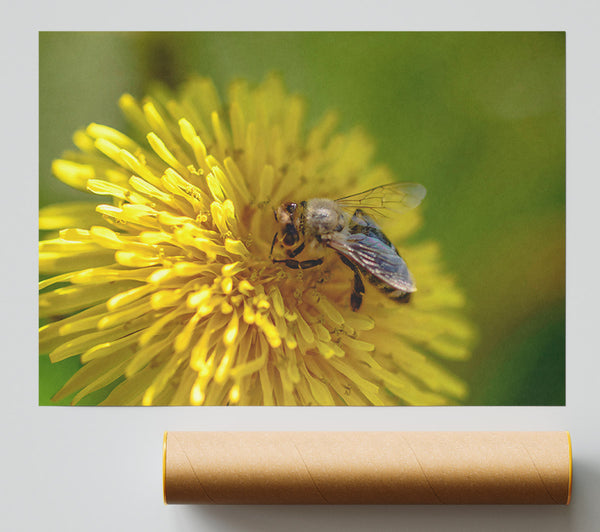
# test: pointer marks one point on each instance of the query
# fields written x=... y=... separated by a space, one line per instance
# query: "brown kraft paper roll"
x=367 y=467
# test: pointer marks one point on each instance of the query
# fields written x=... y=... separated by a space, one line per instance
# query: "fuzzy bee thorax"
x=322 y=217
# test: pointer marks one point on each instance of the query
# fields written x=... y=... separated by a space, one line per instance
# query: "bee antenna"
x=273 y=244
x=274 y=213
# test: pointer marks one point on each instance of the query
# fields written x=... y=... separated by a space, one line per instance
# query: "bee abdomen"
x=400 y=296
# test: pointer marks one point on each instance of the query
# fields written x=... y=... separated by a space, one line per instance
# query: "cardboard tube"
x=367 y=467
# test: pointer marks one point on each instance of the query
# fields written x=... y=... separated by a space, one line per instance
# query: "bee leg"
x=359 y=288
x=303 y=265
x=297 y=251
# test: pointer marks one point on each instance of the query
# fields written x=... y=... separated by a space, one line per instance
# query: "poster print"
x=302 y=218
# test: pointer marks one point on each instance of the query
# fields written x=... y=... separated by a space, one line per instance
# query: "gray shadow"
x=383 y=518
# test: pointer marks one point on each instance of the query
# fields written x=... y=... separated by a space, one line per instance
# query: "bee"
x=344 y=226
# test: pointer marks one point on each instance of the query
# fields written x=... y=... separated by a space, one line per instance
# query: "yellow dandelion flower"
x=167 y=286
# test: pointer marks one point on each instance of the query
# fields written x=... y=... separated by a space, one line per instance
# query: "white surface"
x=89 y=469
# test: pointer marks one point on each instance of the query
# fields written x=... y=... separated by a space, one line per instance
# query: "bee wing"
x=394 y=197
x=376 y=257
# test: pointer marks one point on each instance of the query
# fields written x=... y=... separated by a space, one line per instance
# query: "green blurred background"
x=478 y=118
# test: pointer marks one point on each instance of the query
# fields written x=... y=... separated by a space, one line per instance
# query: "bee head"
x=285 y=212
x=286 y=216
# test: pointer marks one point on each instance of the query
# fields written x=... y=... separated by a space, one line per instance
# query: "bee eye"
x=290 y=207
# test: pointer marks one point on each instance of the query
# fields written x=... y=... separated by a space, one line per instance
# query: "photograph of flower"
x=302 y=219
